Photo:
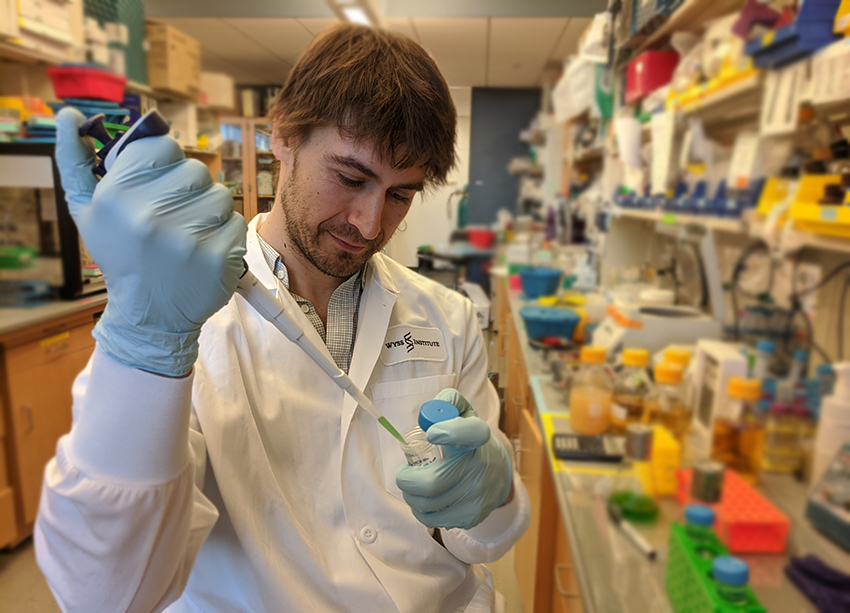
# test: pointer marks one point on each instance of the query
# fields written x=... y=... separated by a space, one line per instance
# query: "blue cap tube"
x=435 y=411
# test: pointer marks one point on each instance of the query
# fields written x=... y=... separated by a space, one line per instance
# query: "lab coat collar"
x=254 y=256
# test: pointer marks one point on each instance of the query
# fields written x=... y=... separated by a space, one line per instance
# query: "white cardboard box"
x=217 y=90
x=183 y=117
x=480 y=301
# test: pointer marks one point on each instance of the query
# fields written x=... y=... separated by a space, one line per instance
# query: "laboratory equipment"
x=665 y=404
x=739 y=431
x=634 y=482
x=828 y=507
x=578 y=448
x=731 y=575
x=715 y=363
x=785 y=427
x=765 y=351
x=834 y=424
x=699 y=520
x=631 y=385
x=418 y=450
x=707 y=481
x=274 y=311
x=690 y=582
x=150 y=124
x=538 y=282
x=554 y=322
x=626 y=528
x=591 y=392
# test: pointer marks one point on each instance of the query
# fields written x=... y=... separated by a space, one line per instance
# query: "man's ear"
x=283 y=147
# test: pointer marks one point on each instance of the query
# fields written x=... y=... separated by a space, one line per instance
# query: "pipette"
x=273 y=310
x=257 y=295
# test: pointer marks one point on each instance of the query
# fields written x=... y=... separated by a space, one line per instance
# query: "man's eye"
x=401 y=198
x=348 y=182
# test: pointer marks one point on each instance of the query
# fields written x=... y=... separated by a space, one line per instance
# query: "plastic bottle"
x=699 y=520
x=834 y=424
x=631 y=386
x=665 y=404
x=731 y=575
x=591 y=394
x=785 y=389
x=783 y=449
x=739 y=432
x=764 y=356
x=682 y=357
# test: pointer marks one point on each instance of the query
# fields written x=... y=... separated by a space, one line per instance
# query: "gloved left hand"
x=472 y=479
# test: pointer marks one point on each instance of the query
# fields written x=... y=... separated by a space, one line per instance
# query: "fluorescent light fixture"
x=341 y=2
x=356 y=14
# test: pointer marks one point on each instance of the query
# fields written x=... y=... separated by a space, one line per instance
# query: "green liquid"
x=386 y=424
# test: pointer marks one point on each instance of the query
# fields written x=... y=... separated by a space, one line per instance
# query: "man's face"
x=342 y=202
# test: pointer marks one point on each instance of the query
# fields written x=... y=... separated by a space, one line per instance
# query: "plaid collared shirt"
x=343 y=309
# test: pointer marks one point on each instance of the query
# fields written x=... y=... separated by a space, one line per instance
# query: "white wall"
x=428 y=222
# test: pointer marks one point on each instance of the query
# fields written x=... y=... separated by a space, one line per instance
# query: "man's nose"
x=366 y=214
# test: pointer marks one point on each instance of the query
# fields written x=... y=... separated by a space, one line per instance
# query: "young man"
x=212 y=466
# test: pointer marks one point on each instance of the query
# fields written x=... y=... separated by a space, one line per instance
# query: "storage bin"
x=811 y=216
x=481 y=237
x=538 y=282
x=812 y=30
x=541 y=322
x=217 y=90
x=649 y=71
x=86 y=81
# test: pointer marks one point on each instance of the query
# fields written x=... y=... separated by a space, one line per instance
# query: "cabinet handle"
x=560 y=587
x=61 y=347
x=30 y=420
x=517 y=454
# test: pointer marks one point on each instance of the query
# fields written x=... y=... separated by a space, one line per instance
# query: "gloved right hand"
x=165 y=237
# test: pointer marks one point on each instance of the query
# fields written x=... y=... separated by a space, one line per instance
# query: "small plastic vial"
x=731 y=575
x=418 y=451
x=699 y=520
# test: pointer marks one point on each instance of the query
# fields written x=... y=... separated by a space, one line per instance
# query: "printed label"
x=404 y=343
x=54 y=339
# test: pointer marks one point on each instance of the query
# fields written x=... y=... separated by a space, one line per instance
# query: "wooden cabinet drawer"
x=46 y=350
x=8 y=520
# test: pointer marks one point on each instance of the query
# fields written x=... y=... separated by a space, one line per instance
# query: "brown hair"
x=376 y=87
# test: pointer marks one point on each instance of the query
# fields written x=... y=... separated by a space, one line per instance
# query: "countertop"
x=612 y=575
x=14 y=319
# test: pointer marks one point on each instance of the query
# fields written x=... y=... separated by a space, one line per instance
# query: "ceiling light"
x=356 y=15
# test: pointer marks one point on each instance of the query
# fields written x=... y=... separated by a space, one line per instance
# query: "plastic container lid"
x=825 y=370
x=766 y=346
x=668 y=373
x=731 y=571
x=801 y=356
x=635 y=357
x=700 y=515
x=744 y=389
x=680 y=357
x=435 y=411
x=593 y=355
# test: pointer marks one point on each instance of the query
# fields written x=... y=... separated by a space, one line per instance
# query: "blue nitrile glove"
x=473 y=477
x=164 y=235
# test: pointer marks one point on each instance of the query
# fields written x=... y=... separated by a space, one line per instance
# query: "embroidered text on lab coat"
x=405 y=342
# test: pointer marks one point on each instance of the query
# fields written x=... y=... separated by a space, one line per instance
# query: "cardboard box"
x=174 y=61
x=217 y=90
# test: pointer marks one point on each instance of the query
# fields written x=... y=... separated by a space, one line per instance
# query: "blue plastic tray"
x=812 y=30
x=542 y=322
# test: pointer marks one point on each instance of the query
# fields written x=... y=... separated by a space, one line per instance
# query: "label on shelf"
x=783 y=91
x=829 y=213
x=668 y=219
x=746 y=158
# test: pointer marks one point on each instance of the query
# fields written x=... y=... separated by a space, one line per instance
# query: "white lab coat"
x=284 y=498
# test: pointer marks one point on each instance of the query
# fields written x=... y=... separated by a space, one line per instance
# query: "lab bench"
x=42 y=350
x=573 y=558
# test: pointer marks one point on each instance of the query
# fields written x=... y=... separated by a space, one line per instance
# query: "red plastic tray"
x=82 y=82
x=648 y=72
x=746 y=521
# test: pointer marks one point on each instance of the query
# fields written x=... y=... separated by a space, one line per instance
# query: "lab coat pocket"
x=399 y=402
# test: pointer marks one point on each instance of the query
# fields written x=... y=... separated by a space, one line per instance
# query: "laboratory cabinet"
x=516 y=392
x=247 y=162
x=39 y=365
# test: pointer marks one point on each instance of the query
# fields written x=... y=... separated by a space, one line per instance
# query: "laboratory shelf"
x=720 y=224
x=134 y=87
x=17 y=53
x=728 y=107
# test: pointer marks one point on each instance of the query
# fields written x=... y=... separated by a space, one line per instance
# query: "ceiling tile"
x=459 y=46
x=568 y=44
x=402 y=25
x=316 y=24
x=285 y=38
x=520 y=48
